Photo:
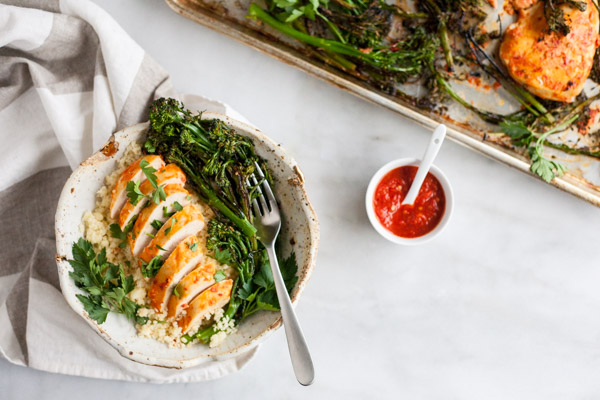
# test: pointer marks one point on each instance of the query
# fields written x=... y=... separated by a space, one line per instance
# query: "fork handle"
x=301 y=360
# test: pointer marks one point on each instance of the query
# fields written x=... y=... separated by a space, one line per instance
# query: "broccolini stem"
x=571 y=150
x=485 y=115
x=245 y=201
x=341 y=61
x=213 y=200
x=200 y=134
x=329 y=56
x=443 y=33
x=533 y=101
x=579 y=107
x=335 y=30
x=557 y=128
x=408 y=15
x=337 y=47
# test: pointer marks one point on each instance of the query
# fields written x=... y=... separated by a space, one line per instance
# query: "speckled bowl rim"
x=69 y=289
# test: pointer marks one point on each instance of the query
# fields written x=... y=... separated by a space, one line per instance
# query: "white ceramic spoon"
x=430 y=153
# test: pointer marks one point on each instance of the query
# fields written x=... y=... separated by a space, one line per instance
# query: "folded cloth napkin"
x=69 y=77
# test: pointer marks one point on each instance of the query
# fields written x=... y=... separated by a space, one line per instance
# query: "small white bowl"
x=389 y=235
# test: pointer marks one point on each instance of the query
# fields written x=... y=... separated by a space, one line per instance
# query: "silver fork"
x=267 y=222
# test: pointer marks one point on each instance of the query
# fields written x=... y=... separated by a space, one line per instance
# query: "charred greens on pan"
x=438 y=38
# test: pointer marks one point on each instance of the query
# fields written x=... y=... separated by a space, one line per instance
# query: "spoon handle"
x=430 y=153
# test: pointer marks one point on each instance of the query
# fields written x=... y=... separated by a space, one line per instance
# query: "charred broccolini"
x=357 y=37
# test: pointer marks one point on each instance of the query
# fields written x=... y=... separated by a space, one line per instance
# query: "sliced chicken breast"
x=184 y=258
x=168 y=175
x=143 y=231
x=181 y=225
x=131 y=173
x=193 y=284
x=211 y=299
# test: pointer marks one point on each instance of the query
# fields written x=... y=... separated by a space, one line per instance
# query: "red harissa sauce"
x=408 y=221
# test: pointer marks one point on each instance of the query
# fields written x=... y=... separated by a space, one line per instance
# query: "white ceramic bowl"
x=300 y=233
x=389 y=235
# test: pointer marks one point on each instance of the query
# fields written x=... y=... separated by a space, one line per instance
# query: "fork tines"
x=268 y=204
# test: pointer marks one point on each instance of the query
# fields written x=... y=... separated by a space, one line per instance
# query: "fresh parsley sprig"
x=106 y=284
x=522 y=135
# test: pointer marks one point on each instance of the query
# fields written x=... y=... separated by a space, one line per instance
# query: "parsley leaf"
x=116 y=232
x=177 y=206
x=545 y=168
x=518 y=132
x=223 y=256
x=149 y=171
x=267 y=301
x=167 y=214
x=159 y=195
x=523 y=136
x=289 y=269
x=134 y=193
x=219 y=275
x=264 y=277
x=106 y=284
x=150 y=269
x=156 y=224
x=245 y=291
x=193 y=246
x=168 y=230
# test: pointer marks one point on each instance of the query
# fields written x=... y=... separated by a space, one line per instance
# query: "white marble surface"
x=504 y=305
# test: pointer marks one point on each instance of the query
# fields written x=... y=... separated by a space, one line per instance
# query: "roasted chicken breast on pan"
x=551 y=65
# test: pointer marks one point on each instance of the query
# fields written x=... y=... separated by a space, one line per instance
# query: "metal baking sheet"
x=228 y=17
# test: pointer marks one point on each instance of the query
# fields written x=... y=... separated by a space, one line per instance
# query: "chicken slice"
x=168 y=175
x=522 y=4
x=207 y=302
x=184 y=258
x=131 y=173
x=193 y=284
x=181 y=225
x=551 y=65
x=142 y=232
